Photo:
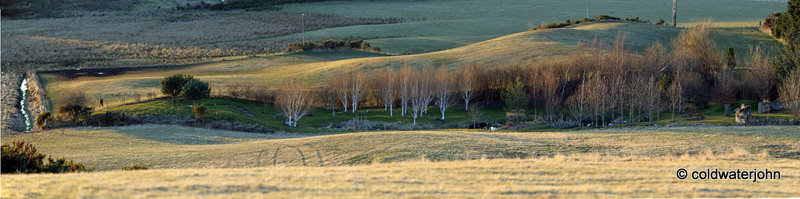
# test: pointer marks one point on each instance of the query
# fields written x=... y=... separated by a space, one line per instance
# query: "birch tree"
x=294 y=101
x=404 y=83
x=427 y=77
x=342 y=89
x=444 y=88
x=386 y=85
x=467 y=85
x=357 y=84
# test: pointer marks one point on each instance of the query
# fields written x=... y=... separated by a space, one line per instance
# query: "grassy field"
x=164 y=146
x=322 y=120
x=603 y=163
x=437 y=25
x=317 y=67
x=562 y=177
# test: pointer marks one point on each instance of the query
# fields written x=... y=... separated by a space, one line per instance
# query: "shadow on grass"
x=188 y=135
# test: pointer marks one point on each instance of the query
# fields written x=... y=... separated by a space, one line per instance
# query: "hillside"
x=115 y=147
x=436 y=25
x=318 y=67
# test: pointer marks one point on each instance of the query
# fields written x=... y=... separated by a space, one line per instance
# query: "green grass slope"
x=436 y=25
x=317 y=67
x=164 y=146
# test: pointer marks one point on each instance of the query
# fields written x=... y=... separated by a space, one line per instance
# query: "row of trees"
x=597 y=83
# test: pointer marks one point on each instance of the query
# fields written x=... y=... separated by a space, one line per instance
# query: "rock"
x=776 y=106
x=763 y=107
x=743 y=115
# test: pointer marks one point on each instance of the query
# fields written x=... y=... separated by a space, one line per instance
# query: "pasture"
x=599 y=163
x=111 y=148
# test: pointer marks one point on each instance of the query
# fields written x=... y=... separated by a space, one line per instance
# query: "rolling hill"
x=317 y=67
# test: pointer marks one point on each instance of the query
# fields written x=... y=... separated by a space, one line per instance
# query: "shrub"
x=199 y=110
x=109 y=119
x=731 y=58
x=135 y=167
x=20 y=157
x=787 y=24
x=43 y=119
x=74 y=112
x=331 y=44
x=195 y=89
x=173 y=85
x=74 y=97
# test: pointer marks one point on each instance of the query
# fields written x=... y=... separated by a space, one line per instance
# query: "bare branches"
x=790 y=93
x=385 y=82
x=294 y=101
x=466 y=84
x=420 y=91
x=444 y=87
x=761 y=74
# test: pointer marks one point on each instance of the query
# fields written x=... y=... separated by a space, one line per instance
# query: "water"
x=24 y=88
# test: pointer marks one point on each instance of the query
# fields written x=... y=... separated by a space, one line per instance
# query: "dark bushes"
x=74 y=112
x=135 y=167
x=43 y=119
x=20 y=157
x=109 y=119
x=785 y=25
x=331 y=44
x=598 y=18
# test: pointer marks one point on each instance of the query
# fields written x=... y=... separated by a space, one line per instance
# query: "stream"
x=24 y=88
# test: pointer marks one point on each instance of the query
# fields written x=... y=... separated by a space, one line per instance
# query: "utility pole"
x=675 y=13
x=587 y=9
x=303 y=28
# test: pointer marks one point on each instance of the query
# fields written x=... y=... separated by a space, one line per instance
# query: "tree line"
x=597 y=84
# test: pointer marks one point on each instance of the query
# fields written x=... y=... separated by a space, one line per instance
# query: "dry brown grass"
x=113 y=148
x=576 y=176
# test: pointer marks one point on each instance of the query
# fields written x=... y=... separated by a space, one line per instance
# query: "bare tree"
x=419 y=92
x=551 y=93
x=724 y=86
x=444 y=89
x=294 y=101
x=385 y=82
x=342 y=89
x=404 y=83
x=265 y=97
x=676 y=96
x=790 y=93
x=357 y=87
x=327 y=98
x=760 y=76
x=428 y=77
x=651 y=97
x=534 y=83
x=466 y=84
